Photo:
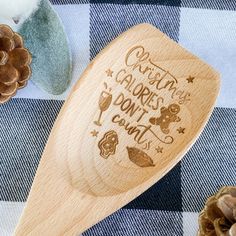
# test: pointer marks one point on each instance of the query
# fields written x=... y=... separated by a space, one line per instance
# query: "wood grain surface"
x=134 y=113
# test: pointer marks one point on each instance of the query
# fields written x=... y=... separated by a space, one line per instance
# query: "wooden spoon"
x=136 y=110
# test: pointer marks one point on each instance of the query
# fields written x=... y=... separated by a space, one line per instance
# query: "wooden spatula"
x=134 y=113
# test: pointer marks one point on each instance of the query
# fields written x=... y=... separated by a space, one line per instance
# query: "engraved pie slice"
x=134 y=113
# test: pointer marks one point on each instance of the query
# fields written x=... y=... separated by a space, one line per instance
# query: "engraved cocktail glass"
x=104 y=103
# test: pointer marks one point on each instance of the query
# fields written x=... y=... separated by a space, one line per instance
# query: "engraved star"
x=94 y=133
x=190 y=79
x=159 y=149
x=109 y=73
x=181 y=130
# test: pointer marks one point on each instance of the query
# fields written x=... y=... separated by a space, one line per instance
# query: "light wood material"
x=134 y=113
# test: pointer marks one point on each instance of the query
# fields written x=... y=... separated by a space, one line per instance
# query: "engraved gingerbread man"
x=168 y=115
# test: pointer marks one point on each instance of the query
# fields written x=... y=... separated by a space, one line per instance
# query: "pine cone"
x=218 y=217
x=14 y=63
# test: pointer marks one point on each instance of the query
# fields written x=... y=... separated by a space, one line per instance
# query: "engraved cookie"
x=168 y=115
x=108 y=143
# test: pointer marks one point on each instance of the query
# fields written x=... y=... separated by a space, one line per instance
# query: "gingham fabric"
x=205 y=27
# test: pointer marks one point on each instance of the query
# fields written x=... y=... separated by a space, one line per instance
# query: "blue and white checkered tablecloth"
x=205 y=27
